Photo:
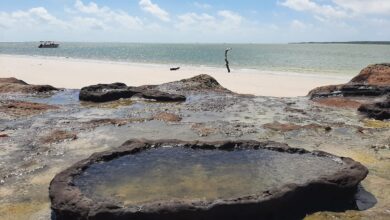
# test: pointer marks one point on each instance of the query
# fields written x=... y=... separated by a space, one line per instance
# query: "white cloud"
x=89 y=23
x=230 y=17
x=32 y=18
x=154 y=9
x=91 y=8
x=325 y=11
x=202 y=5
x=222 y=21
x=107 y=18
x=84 y=17
x=339 y=9
x=365 y=6
x=297 y=25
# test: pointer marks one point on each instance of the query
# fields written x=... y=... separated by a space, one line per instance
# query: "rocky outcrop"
x=373 y=80
x=106 y=92
x=377 y=75
x=377 y=110
x=13 y=85
x=291 y=201
x=115 y=91
x=363 y=92
x=198 y=83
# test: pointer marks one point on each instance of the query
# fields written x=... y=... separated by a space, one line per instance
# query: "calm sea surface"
x=340 y=59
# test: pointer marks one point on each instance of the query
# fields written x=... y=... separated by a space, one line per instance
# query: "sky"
x=190 y=21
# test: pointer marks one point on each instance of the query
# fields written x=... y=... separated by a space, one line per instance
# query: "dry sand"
x=72 y=73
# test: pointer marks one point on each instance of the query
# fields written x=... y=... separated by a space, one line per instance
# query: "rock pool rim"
x=68 y=202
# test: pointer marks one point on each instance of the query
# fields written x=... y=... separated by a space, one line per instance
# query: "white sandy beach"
x=72 y=73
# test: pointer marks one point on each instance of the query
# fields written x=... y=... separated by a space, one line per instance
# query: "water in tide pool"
x=167 y=173
x=344 y=59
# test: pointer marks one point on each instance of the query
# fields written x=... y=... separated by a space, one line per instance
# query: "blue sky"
x=244 y=21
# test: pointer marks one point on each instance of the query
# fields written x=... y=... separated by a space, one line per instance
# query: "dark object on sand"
x=48 y=44
x=333 y=187
x=226 y=59
x=174 y=68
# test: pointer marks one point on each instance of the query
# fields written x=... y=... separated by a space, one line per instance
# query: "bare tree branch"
x=226 y=59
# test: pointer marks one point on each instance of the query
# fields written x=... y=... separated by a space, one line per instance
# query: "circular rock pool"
x=193 y=180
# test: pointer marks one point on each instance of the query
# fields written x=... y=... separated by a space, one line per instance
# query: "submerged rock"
x=338 y=102
x=21 y=108
x=277 y=126
x=167 y=117
x=13 y=85
x=58 y=136
x=322 y=182
x=116 y=91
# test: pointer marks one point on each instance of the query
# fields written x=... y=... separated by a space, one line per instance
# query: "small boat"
x=48 y=44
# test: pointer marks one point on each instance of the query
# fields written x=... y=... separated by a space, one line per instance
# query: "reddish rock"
x=203 y=130
x=21 y=108
x=58 y=136
x=338 y=102
x=167 y=117
x=106 y=121
x=378 y=74
x=277 y=126
x=3 y=135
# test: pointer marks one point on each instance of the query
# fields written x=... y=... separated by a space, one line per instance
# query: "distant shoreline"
x=347 y=42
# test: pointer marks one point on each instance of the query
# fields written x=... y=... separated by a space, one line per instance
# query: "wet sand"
x=72 y=73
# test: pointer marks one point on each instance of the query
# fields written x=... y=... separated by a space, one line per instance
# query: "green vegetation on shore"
x=348 y=42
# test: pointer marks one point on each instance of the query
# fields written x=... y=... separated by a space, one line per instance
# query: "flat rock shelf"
x=171 y=179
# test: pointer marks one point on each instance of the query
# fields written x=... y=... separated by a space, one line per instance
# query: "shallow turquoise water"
x=299 y=58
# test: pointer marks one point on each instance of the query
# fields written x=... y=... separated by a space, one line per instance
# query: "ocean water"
x=339 y=59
